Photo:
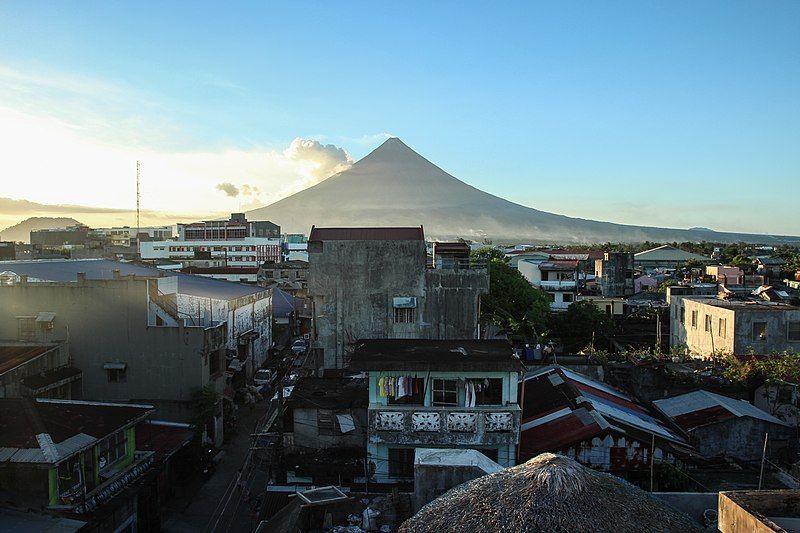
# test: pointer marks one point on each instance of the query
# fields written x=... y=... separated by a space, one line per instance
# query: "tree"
x=204 y=401
x=579 y=325
x=512 y=303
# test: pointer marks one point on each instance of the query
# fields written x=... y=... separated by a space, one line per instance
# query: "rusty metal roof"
x=367 y=234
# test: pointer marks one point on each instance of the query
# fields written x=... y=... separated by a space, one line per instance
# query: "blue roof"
x=66 y=270
x=283 y=303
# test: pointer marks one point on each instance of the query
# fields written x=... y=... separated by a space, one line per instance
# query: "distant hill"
x=395 y=186
x=22 y=231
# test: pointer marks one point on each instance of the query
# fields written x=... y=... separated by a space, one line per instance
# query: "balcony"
x=420 y=425
x=142 y=463
x=558 y=285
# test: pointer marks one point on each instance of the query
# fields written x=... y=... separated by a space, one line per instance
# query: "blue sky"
x=659 y=113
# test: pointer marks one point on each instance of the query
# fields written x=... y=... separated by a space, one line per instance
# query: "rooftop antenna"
x=138 y=168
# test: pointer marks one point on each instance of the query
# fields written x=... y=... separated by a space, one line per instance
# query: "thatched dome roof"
x=548 y=493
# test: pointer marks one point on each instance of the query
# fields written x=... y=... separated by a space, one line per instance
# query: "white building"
x=557 y=278
x=122 y=236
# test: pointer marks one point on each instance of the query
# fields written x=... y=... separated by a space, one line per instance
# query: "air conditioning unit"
x=306 y=336
x=404 y=302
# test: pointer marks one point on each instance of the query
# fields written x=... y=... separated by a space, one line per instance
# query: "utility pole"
x=652 y=458
x=138 y=227
x=763 y=458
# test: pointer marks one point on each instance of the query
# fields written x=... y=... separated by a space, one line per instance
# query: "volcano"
x=395 y=186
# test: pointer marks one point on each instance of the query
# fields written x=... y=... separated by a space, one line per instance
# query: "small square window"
x=404 y=315
x=793 y=331
x=445 y=392
x=759 y=331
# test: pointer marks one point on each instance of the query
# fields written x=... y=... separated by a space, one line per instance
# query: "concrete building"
x=726 y=275
x=430 y=393
x=138 y=333
x=127 y=236
x=56 y=238
x=38 y=370
x=289 y=276
x=722 y=426
x=558 y=278
x=706 y=325
x=374 y=283
x=665 y=257
x=769 y=267
x=79 y=459
x=325 y=425
x=237 y=241
x=614 y=274
x=8 y=251
x=762 y=511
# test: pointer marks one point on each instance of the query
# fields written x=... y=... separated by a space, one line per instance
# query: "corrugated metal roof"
x=700 y=400
x=66 y=270
x=367 y=234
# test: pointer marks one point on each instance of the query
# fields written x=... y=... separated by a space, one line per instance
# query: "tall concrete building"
x=376 y=283
x=139 y=334
x=614 y=274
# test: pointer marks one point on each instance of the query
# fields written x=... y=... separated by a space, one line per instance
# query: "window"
x=404 y=315
x=567 y=297
x=401 y=462
x=708 y=323
x=214 y=363
x=26 y=328
x=116 y=372
x=793 y=331
x=759 y=331
x=694 y=319
x=683 y=314
x=491 y=392
x=417 y=396
x=445 y=392
x=69 y=475
x=112 y=449
x=723 y=326
x=325 y=423
x=784 y=395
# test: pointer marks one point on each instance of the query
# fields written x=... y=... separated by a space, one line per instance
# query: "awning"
x=115 y=366
x=247 y=336
x=346 y=423
x=45 y=317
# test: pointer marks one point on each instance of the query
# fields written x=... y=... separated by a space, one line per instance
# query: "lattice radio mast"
x=138 y=228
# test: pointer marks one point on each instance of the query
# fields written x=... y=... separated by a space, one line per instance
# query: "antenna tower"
x=138 y=168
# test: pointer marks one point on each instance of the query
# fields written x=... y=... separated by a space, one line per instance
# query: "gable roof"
x=367 y=234
x=702 y=408
x=562 y=407
x=668 y=253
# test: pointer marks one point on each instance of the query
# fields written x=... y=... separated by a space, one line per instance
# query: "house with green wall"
x=73 y=457
x=424 y=393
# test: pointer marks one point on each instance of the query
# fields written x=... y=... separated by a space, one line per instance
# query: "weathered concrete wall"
x=353 y=284
x=431 y=481
x=695 y=337
x=747 y=511
x=777 y=325
x=106 y=321
x=741 y=438
x=693 y=504
x=306 y=431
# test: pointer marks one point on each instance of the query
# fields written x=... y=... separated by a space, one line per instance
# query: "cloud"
x=229 y=189
x=323 y=160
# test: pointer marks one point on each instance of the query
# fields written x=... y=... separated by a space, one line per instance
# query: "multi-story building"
x=238 y=242
x=558 y=278
x=376 y=283
x=138 y=333
x=438 y=393
x=54 y=238
x=8 y=251
x=78 y=459
x=614 y=274
x=126 y=236
x=290 y=276
x=708 y=325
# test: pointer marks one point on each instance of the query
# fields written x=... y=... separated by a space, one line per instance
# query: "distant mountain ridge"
x=22 y=231
x=395 y=186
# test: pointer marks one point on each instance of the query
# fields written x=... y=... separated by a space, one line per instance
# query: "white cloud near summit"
x=323 y=160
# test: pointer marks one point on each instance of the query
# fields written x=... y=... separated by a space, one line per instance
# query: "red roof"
x=703 y=417
x=367 y=234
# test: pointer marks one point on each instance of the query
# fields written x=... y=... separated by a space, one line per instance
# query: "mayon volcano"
x=395 y=186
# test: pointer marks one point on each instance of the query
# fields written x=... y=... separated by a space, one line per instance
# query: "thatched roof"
x=548 y=493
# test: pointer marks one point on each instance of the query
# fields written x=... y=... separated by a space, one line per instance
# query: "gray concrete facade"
x=355 y=283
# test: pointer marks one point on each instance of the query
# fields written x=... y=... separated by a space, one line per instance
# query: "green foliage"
x=512 y=303
x=580 y=325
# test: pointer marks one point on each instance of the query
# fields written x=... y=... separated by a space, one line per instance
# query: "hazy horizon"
x=679 y=115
